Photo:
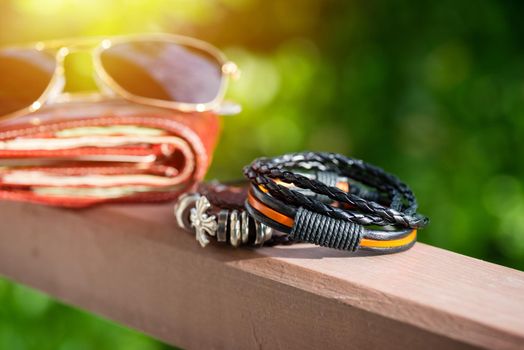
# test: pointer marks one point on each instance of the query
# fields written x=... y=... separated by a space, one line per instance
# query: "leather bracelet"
x=216 y=211
x=321 y=198
x=373 y=211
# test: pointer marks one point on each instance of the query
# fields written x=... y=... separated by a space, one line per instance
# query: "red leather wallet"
x=80 y=154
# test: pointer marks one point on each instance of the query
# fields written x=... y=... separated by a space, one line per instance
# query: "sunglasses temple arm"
x=228 y=108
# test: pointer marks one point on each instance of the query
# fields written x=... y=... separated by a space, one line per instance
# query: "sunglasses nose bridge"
x=57 y=92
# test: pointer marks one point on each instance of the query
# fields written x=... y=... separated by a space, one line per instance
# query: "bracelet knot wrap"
x=325 y=231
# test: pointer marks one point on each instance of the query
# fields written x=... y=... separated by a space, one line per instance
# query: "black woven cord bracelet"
x=333 y=201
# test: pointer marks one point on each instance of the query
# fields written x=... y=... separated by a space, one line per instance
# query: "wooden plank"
x=132 y=264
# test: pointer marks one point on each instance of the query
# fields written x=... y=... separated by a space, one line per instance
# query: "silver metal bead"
x=263 y=233
x=234 y=229
x=268 y=233
x=245 y=227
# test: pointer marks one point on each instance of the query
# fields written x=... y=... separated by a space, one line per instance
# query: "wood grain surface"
x=133 y=265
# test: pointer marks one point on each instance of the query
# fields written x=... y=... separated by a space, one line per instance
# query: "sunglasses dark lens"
x=164 y=71
x=24 y=76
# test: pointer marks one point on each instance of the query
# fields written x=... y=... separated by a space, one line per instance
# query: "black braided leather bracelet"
x=333 y=201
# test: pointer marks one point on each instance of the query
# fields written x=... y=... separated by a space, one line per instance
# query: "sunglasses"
x=160 y=70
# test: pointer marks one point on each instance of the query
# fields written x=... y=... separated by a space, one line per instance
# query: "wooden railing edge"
x=131 y=264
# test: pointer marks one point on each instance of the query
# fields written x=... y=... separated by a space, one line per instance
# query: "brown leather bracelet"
x=216 y=211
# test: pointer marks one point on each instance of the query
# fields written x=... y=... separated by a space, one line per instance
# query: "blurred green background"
x=431 y=91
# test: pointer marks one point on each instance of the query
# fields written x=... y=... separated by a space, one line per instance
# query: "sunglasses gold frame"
x=109 y=88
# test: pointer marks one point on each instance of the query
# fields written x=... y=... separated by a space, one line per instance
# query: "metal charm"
x=234 y=229
x=268 y=233
x=184 y=202
x=263 y=233
x=203 y=223
x=245 y=227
